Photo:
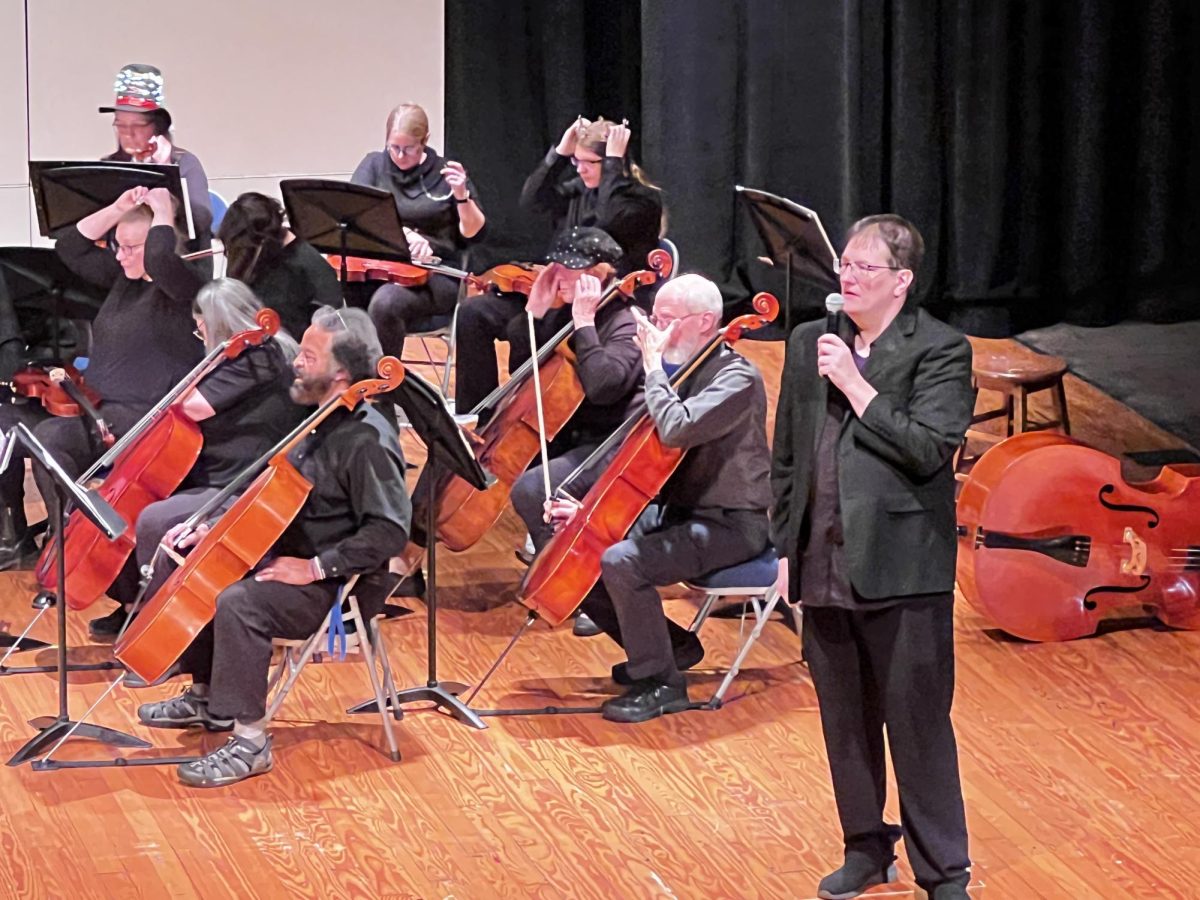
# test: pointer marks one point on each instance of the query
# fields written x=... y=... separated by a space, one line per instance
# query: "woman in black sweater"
x=142 y=341
x=607 y=192
x=440 y=212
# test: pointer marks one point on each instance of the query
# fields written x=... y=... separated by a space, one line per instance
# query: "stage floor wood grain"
x=1080 y=761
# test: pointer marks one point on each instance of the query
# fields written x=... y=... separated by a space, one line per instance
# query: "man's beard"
x=310 y=391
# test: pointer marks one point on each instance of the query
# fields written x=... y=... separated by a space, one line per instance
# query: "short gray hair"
x=355 y=342
x=697 y=293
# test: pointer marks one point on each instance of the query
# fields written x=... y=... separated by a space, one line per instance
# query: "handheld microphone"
x=833 y=313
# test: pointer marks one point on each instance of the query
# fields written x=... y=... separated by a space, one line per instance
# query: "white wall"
x=259 y=90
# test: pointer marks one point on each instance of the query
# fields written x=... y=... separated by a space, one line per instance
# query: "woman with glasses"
x=440 y=212
x=243 y=408
x=585 y=181
x=142 y=126
x=141 y=342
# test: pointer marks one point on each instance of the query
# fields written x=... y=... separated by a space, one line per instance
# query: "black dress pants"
x=663 y=547
x=394 y=308
x=892 y=668
x=482 y=321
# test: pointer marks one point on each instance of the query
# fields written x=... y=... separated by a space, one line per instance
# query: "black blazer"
x=894 y=473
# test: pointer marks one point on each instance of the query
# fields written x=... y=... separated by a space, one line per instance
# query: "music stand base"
x=52 y=730
x=71 y=667
x=21 y=645
x=441 y=694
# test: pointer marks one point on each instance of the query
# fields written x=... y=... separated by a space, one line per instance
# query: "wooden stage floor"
x=1080 y=761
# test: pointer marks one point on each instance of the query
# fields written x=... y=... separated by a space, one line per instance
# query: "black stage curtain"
x=1048 y=151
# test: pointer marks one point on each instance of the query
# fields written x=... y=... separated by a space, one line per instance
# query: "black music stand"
x=66 y=191
x=343 y=218
x=53 y=730
x=37 y=280
x=794 y=238
x=435 y=425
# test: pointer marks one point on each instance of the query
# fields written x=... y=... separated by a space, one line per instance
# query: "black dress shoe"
x=584 y=626
x=412 y=586
x=108 y=626
x=18 y=553
x=686 y=657
x=646 y=700
x=858 y=873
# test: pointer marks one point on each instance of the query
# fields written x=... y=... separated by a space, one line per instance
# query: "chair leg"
x=389 y=683
x=1060 y=395
x=369 y=659
x=763 y=608
x=296 y=665
x=702 y=613
x=1022 y=411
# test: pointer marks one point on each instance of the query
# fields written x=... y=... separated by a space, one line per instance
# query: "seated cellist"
x=243 y=408
x=355 y=519
x=711 y=514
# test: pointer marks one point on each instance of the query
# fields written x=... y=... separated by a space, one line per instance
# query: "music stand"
x=794 y=238
x=340 y=217
x=36 y=279
x=55 y=730
x=435 y=425
x=66 y=191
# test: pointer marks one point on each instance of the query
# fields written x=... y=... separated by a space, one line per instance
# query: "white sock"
x=254 y=733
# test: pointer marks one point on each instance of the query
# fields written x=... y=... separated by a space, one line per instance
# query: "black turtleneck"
x=423 y=199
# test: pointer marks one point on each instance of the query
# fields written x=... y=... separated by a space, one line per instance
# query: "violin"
x=69 y=397
x=568 y=567
x=508 y=278
x=147 y=464
x=1053 y=540
x=511 y=439
x=187 y=601
x=359 y=269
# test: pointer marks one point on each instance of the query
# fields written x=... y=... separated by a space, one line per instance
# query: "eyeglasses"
x=846 y=266
x=197 y=335
x=580 y=163
x=409 y=150
x=129 y=248
x=663 y=322
x=131 y=127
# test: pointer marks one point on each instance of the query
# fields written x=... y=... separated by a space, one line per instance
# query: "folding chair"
x=297 y=654
x=754 y=582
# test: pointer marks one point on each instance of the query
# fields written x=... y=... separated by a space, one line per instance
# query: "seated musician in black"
x=243 y=408
x=355 y=519
x=711 y=513
x=442 y=215
x=142 y=342
x=287 y=274
x=608 y=193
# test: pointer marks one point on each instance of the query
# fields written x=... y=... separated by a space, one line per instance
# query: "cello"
x=568 y=567
x=511 y=439
x=1053 y=540
x=187 y=601
x=147 y=464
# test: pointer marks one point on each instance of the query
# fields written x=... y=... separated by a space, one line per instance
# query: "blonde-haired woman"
x=441 y=214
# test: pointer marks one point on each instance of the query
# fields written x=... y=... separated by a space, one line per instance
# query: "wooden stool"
x=1015 y=379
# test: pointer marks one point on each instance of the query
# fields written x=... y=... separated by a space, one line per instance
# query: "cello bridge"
x=1136 y=564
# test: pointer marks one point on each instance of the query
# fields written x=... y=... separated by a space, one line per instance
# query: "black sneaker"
x=108 y=626
x=646 y=700
x=858 y=873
